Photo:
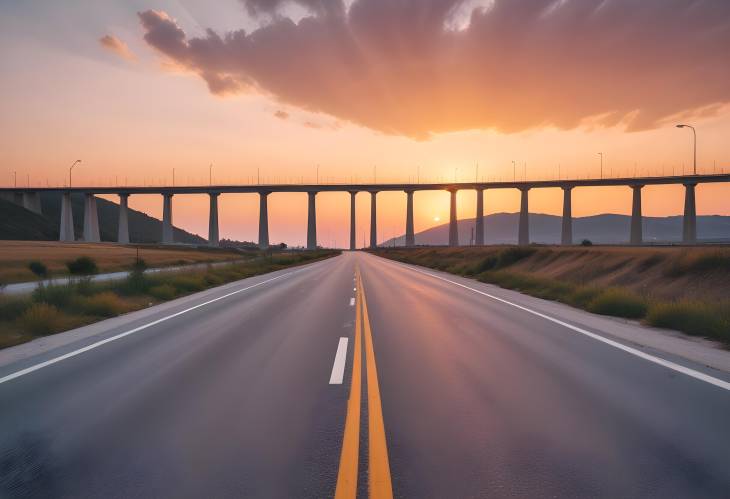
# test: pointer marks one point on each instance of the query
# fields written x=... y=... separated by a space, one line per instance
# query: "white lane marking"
x=338 y=368
x=633 y=351
x=352 y=302
x=36 y=367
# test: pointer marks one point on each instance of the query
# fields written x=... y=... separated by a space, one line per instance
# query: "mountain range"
x=501 y=228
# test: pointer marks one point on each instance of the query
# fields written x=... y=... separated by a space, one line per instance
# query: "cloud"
x=117 y=46
x=416 y=68
x=282 y=115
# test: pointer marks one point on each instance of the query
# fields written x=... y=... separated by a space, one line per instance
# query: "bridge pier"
x=66 y=232
x=123 y=230
x=689 y=222
x=410 y=234
x=353 y=234
x=312 y=221
x=32 y=202
x=167 y=230
x=637 y=236
x=523 y=234
x=479 y=225
x=263 y=220
x=373 y=219
x=91 y=220
x=566 y=237
x=213 y=235
x=453 y=223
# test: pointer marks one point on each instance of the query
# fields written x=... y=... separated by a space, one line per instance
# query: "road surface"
x=249 y=390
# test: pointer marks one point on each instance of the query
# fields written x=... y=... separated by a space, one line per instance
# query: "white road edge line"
x=352 y=302
x=338 y=368
x=47 y=363
x=633 y=351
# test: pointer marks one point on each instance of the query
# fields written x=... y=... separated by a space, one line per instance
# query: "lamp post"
x=210 y=174
x=601 y=155
x=694 y=135
x=514 y=171
x=69 y=171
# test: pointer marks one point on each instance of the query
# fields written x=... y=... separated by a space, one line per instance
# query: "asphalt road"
x=228 y=394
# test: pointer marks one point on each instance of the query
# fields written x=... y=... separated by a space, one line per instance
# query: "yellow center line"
x=378 y=466
x=347 y=474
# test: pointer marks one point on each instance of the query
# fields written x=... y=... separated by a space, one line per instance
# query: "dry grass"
x=679 y=288
x=55 y=308
x=16 y=255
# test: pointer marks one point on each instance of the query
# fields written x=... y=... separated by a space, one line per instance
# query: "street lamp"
x=601 y=155
x=694 y=134
x=210 y=174
x=69 y=171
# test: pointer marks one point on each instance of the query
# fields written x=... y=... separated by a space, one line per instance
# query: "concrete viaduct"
x=30 y=199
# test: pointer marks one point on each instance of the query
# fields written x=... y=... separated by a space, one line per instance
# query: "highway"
x=441 y=388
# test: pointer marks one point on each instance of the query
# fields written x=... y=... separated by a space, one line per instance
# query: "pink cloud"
x=401 y=67
x=117 y=46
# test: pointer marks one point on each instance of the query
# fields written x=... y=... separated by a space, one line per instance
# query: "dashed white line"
x=338 y=368
x=633 y=351
x=352 y=302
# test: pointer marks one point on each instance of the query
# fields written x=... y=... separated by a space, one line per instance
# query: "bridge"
x=29 y=197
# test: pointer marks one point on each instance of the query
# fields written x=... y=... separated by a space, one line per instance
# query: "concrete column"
x=312 y=222
x=123 y=231
x=479 y=225
x=373 y=219
x=32 y=202
x=263 y=220
x=66 y=231
x=91 y=220
x=7 y=196
x=636 y=220
x=689 y=223
x=353 y=243
x=523 y=235
x=566 y=237
x=453 y=223
x=213 y=235
x=410 y=233
x=167 y=232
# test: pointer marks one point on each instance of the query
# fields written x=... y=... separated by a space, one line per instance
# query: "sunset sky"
x=136 y=88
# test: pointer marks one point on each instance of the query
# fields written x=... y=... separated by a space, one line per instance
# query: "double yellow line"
x=379 y=484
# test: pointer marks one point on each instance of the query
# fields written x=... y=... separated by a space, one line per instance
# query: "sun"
x=436 y=219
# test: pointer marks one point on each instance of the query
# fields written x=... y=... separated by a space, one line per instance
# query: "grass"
x=59 y=307
x=675 y=288
x=16 y=256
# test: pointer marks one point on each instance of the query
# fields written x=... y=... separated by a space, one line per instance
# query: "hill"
x=17 y=223
x=501 y=228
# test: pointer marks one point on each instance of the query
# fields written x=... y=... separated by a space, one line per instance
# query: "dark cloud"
x=400 y=66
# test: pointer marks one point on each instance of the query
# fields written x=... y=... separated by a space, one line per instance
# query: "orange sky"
x=131 y=115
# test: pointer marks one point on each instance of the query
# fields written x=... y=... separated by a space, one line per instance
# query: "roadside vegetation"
x=59 y=307
x=52 y=259
x=686 y=289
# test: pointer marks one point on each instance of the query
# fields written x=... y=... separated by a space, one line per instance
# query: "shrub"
x=187 y=283
x=582 y=296
x=586 y=242
x=38 y=268
x=620 y=303
x=105 y=304
x=163 y=292
x=696 y=318
x=136 y=283
x=42 y=318
x=58 y=295
x=513 y=255
x=83 y=265
x=12 y=307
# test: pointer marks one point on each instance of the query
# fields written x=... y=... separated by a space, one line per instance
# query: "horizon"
x=139 y=92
